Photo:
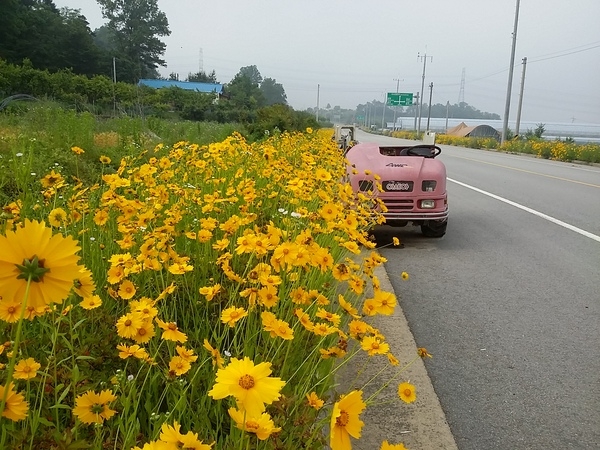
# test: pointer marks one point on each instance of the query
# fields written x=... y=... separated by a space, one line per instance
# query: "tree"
x=252 y=73
x=203 y=77
x=50 y=38
x=273 y=92
x=137 y=26
x=244 y=90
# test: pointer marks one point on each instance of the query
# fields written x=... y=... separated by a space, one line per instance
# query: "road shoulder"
x=419 y=425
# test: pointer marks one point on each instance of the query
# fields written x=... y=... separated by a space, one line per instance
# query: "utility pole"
x=318 y=91
x=383 y=114
x=429 y=109
x=424 y=58
x=447 y=112
x=416 y=110
x=114 y=87
x=521 y=97
x=510 y=76
x=397 y=80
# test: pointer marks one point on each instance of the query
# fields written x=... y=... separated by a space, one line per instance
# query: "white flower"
x=19 y=154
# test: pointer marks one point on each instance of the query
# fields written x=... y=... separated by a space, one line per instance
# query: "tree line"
x=49 y=52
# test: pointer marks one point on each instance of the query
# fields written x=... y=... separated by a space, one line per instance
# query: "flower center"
x=32 y=269
x=97 y=408
x=407 y=392
x=127 y=323
x=252 y=426
x=343 y=419
x=247 y=381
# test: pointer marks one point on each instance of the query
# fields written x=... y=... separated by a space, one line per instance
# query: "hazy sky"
x=356 y=50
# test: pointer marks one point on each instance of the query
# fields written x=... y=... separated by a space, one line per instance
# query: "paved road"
x=509 y=300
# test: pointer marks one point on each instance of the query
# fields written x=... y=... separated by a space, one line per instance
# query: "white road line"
x=532 y=211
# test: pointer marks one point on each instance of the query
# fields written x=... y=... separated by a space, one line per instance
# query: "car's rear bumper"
x=416 y=215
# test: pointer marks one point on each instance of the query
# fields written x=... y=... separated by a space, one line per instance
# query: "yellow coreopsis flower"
x=174 y=439
x=374 y=346
x=53 y=179
x=145 y=332
x=31 y=252
x=84 y=285
x=406 y=392
x=171 y=332
x=345 y=421
x=385 y=302
x=128 y=324
x=216 y=355
x=126 y=351
x=250 y=384
x=267 y=296
x=232 y=315
x=126 y=290
x=314 y=401
x=92 y=407
x=26 y=369
x=91 y=302
x=347 y=306
x=329 y=212
x=262 y=425
x=10 y=310
x=210 y=292
x=387 y=446
x=15 y=407
x=187 y=354
x=179 y=366
x=57 y=217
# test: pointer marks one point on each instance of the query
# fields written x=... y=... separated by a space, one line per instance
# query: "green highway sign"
x=399 y=99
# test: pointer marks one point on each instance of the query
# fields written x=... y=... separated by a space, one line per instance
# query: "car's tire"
x=434 y=228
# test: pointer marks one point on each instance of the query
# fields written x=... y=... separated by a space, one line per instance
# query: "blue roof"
x=188 y=85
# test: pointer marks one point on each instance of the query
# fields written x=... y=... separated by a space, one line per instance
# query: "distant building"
x=463 y=130
x=206 y=88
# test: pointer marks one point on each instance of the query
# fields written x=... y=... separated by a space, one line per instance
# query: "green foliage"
x=203 y=77
x=273 y=92
x=137 y=27
x=50 y=39
x=279 y=118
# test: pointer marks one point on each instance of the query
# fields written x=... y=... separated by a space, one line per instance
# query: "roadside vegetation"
x=199 y=292
x=533 y=144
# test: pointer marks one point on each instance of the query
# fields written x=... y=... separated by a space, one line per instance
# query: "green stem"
x=17 y=342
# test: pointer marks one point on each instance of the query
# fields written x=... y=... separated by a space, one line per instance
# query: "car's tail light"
x=428 y=185
x=365 y=185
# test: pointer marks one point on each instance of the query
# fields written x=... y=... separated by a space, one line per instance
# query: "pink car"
x=412 y=183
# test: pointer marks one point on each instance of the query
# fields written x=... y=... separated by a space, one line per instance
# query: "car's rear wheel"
x=434 y=228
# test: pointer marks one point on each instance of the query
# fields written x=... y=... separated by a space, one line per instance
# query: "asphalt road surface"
x=508 y=302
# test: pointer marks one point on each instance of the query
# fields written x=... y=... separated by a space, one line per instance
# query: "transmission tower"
x=200 y=61
x=461 y=93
